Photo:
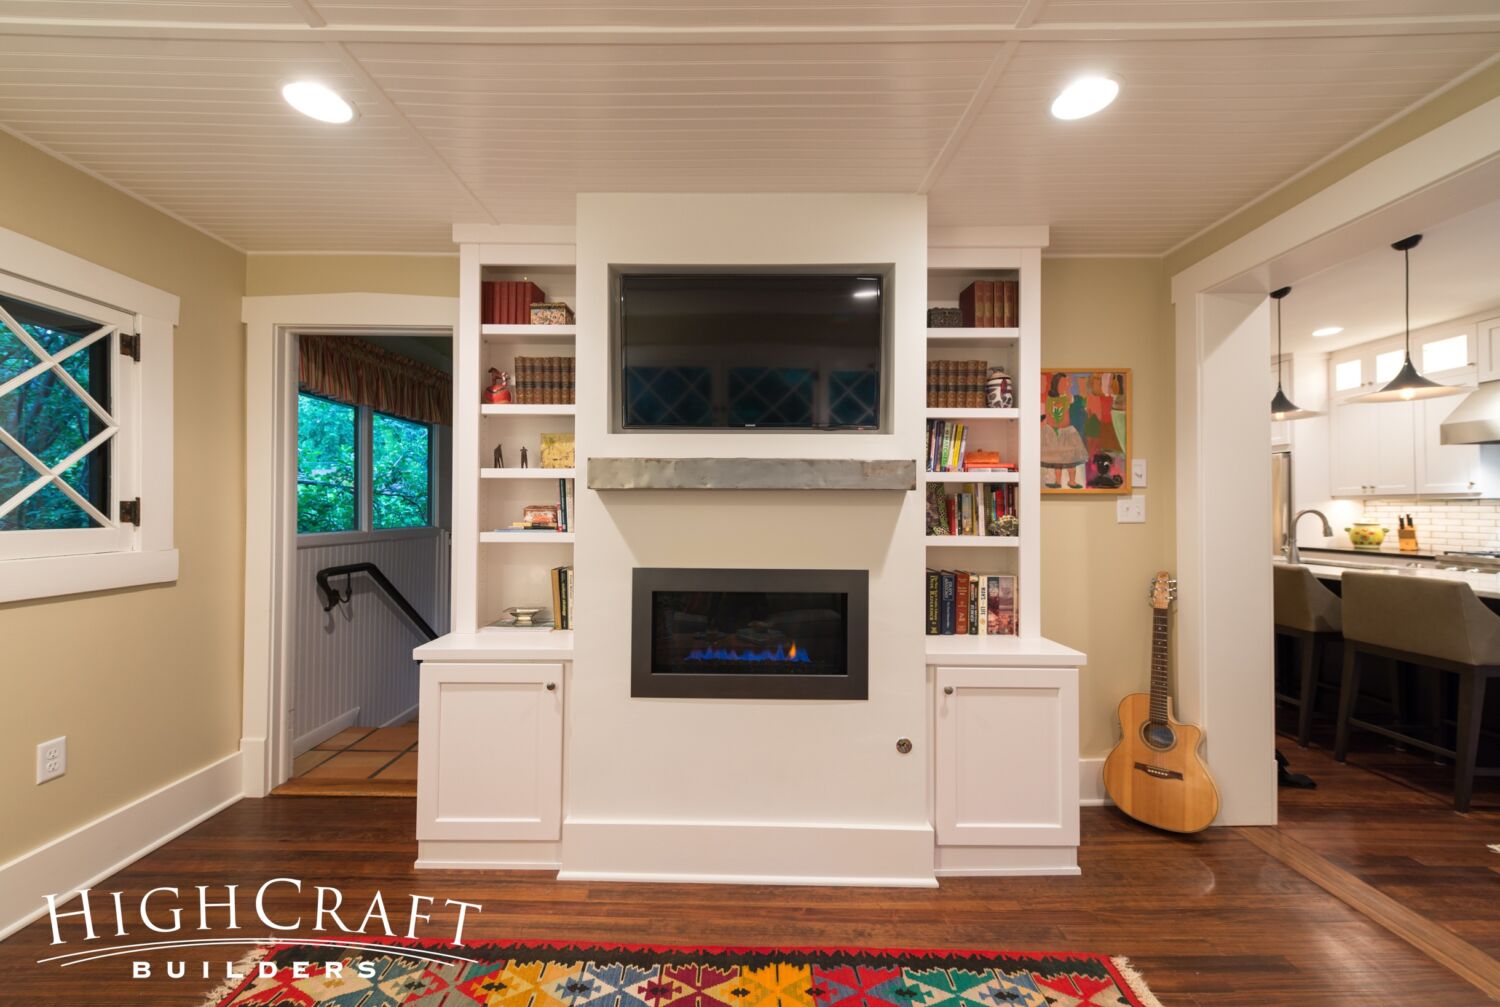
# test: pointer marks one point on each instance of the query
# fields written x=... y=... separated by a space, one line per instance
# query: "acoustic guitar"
x=1155 y=774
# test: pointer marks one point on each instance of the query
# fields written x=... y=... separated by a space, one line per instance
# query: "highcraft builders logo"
x=199 y=919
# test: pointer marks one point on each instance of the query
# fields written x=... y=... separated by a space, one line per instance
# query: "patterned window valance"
x=354 y=371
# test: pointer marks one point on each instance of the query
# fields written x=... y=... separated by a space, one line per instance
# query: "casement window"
x=361 y=470
x=85 y=426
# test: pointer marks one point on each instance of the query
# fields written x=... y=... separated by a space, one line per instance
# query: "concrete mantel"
x=894 y=474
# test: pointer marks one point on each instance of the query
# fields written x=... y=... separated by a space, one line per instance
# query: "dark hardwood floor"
x=1208 y=919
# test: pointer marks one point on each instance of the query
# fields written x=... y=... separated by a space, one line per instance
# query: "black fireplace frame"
x=854 y=685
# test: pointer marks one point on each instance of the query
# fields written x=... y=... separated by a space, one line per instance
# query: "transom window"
x=1347 y=375
x=359 y=469
x=1445 y=354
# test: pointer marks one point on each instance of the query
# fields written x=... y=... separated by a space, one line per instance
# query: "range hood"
x=1476 y=420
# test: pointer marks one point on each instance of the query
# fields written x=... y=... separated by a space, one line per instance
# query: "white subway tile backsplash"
x=1443 y=525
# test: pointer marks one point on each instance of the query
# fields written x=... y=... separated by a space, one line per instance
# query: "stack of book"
x=946 y=443
x=562 y=597
x=990 y=304
x=956 y=384
x=508 y=302
x=548 y=517
x=977 y=508
x=544 y=381
x=970 y=604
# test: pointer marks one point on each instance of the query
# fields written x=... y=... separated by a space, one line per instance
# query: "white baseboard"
x=403 y=716
x=1091 y=792
x=321 y=733
x=93 y=852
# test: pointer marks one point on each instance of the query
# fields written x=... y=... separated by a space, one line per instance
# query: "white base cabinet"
x=1005 y=770
x=489 y=761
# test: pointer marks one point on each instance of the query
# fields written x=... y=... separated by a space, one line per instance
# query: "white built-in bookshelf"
x=495 y=567
x=1011 y=432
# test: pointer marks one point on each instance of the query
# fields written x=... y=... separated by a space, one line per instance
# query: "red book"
x=968 y=306
x=488 y=293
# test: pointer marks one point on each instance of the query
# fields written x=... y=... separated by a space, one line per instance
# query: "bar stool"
x=1434 y=624
x=1312 y=617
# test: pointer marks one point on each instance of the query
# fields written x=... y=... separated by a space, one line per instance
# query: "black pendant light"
x=1283 y=408
x=1408 y=384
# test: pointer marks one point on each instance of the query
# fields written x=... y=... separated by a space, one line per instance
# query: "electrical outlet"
x=1130 y=510
x=1138 y=473
x=51 y=759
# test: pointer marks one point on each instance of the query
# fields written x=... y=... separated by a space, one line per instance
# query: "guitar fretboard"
x=1159 y=666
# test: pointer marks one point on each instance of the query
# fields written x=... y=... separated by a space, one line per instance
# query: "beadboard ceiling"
x=501 y=110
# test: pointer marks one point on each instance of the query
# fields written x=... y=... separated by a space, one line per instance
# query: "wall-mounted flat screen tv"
x=751 y=351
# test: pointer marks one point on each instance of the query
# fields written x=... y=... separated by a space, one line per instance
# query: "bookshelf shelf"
x=981 y=413
x=511 y=409
x=528 y=473
x=526 y=536
x=971 y=337
x=971 y=477
x=530 y=335
x=972 y=542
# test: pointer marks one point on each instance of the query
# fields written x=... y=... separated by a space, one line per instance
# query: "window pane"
x=400 y=453
x=1347 y=375
x=1388 y=365
x=326 y=495
x=50 y=420
x=1445 y=354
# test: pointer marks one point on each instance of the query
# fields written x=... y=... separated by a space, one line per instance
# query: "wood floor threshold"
x=346 y=788
x=1432 y=939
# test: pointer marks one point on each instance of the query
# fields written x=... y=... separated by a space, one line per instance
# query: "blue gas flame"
x=797 y=656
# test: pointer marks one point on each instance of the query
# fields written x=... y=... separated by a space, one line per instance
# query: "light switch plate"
x=1130 y=510
x=1138 y=473
x=51 y=759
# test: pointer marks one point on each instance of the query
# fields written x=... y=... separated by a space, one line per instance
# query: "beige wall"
x=430 y=275
x=1110 y=313
x=145 y=683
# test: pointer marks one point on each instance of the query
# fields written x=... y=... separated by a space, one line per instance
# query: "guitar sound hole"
x=1159 y=736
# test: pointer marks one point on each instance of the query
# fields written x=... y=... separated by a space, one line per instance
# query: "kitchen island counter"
x=1486 y=585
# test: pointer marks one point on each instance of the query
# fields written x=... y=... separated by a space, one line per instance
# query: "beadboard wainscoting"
x=1443 y=525
x=353 y=665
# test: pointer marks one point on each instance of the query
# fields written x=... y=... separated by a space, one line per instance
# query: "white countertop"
x=1486 y=585
x=1021 y=651
x=501 y=645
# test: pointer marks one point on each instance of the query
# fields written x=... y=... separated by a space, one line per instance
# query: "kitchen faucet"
x=1292 y=555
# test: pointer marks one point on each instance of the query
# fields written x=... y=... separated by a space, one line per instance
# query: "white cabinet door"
x=489 y=758
x=1395 y=448
x=1007 y=756
x=1451 y=469
x=1351 y=432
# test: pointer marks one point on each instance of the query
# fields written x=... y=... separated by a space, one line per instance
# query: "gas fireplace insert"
x=750 y=634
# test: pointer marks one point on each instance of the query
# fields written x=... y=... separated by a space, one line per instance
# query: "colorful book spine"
x=934 y=603
x=949 y=587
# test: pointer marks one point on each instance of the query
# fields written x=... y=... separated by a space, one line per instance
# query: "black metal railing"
x=332 y=596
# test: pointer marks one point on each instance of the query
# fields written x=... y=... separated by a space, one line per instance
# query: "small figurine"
x=499 y=390
x=523 y=458
x=499 y=456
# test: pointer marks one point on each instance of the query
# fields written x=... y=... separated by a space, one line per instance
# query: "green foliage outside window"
x=400 y=453
x=327 y=492
x=50 y=421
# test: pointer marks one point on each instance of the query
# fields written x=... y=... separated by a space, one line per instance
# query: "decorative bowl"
x=1366 y=534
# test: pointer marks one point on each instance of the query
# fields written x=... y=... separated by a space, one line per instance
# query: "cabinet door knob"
x=551 y=686
x=947 y=690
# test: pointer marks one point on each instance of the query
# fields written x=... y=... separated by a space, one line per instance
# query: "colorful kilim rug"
x=605 y=975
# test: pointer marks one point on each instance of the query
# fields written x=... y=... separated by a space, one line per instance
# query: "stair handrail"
x=332 y=596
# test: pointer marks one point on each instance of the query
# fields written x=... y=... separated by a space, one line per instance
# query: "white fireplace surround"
x=909 y=784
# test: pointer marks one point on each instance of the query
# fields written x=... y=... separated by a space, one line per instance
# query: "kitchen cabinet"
x=1281 y=430
x=1373 y=449
x=1488 y=332
x=1444 y=469
x=490 y=738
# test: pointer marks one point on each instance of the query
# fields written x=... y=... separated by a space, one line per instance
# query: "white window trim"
x=148 y=556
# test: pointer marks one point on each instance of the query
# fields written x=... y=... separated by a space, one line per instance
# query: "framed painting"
x=1086 y=431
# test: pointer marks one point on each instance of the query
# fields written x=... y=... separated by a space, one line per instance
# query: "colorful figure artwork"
x=1086 y=431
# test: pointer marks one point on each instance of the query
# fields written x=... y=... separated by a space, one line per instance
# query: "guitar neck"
x=1159 y=627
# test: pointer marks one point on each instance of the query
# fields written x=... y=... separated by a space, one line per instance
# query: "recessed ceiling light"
x=317 y=101
x=1084 y=97
x=1328 y=330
